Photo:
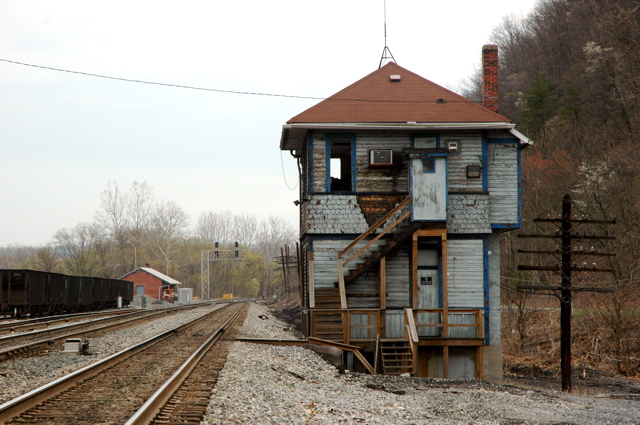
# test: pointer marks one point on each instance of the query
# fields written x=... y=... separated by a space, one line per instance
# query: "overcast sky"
x=63 y=136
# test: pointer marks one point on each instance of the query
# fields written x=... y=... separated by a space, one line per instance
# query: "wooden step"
x=327 y=298
x=397 y=357
x=329 y=326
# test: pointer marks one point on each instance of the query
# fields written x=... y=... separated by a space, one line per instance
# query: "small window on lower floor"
x=428 y=165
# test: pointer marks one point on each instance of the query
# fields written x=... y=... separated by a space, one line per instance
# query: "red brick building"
x=150 y=282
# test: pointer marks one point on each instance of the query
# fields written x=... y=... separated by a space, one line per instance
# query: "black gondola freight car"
x=35 y=292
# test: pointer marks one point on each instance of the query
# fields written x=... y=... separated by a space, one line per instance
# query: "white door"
x=428 y=283
x=429 y=188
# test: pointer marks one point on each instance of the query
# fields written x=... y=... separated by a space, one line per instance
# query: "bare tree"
x=272 y=235
x=76 y=249
x=47 y=259
x=113 y=217
x=168 y=232
x=245 y=227
x=140 y=203
x=216 y=227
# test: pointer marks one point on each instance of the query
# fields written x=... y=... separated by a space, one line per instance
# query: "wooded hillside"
x=570 y=79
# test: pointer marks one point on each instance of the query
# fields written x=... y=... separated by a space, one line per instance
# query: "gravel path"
x=263 y=384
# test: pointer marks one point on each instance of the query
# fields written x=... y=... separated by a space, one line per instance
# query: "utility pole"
x=567 y=235
x=287 y=261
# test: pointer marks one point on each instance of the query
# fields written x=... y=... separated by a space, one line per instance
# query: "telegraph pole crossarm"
x=565 y=236
x=566 y=288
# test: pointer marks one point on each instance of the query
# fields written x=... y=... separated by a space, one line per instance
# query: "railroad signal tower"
x=566 y=237
x=213 y=255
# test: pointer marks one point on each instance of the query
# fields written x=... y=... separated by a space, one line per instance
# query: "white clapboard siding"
x=319 y=165
x=372 y=179
x=398 y=280
x=502 y=182
x=465 y=268
x=325 y=260
x=469 y=153
x=394 y=324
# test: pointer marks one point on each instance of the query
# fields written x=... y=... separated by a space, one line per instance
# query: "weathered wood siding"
x=502 y=182
x=398 y=279
x=319 y=164
x=469 y=153
x=394 y=324
x=465 y=265
x=495 y=321
x=325 y=261
x=366 y=284
x=386 y=179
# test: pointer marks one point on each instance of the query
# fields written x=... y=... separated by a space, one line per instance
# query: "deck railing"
x=458 y=323
x=366 y=324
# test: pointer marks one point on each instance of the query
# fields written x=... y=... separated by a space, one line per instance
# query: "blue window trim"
x=419 y=136
x=310 y=165
x=518 y=223
x=485 y=261
x=434 y=165
x=328 y=138
x=440 y=282
x=485 y=155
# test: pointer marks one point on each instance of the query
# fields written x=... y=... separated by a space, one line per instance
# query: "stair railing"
x=411 y=334
x=379 y=223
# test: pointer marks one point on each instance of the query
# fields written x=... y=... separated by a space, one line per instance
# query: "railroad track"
x=32 y=343
x=113 y=389
x=29 y=325
x=183 y=399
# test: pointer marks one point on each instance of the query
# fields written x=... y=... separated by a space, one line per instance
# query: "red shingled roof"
x=377 y=99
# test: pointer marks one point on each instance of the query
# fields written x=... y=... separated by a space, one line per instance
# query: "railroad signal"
x=215 y=255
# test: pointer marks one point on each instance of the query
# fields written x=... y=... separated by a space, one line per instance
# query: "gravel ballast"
x=22 y=375
x=263 y=384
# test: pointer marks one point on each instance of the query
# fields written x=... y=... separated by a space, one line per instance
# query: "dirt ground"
x=590 y=382
x=288 y=310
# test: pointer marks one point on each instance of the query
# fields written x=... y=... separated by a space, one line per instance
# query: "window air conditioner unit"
x=381 y=157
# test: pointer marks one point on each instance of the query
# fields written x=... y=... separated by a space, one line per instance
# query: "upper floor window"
x=340 y=164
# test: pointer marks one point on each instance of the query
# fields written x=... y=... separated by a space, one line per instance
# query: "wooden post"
x=341 y=288
x=383 y=283
x=565 y=298
x=299 y=263
x=445 y=362
x=312 y=289
x=284 y=271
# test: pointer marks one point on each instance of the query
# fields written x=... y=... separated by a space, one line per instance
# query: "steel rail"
x=46 y=322
x=144 y=314
x=28 y=400
x=152 y=406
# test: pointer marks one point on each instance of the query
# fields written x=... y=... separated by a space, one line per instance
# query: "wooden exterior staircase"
x=328 y=324
x=406 y=229
x=397 y=356
x=396 y=218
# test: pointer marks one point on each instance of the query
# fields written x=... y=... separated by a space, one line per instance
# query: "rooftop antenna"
x=386 y=53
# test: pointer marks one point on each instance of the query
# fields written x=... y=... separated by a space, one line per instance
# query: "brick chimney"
x=490 y=76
